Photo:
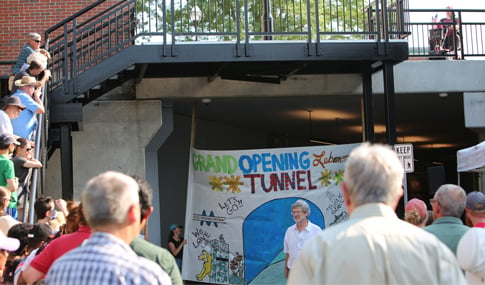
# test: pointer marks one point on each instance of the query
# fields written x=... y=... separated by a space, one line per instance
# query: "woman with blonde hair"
x=6 y=221
x=416 y=212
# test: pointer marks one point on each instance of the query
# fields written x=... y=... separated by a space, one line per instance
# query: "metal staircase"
x=81 y=47
x=99 y=48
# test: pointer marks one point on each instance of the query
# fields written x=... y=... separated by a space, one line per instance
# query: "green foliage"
x=290 y=19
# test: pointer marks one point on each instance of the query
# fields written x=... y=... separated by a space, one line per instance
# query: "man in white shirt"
x=374 y=246
x=11 y=108
x=299 y=233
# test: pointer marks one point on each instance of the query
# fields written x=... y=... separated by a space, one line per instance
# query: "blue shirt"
x=22 y=58
x=104 y=259
x=26 y=122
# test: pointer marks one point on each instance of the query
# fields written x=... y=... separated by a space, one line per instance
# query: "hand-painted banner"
x=239 y=207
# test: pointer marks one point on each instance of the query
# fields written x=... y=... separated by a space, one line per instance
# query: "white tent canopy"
x=471 y=158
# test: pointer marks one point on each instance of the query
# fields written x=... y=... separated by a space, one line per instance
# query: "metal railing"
x=457 y=36
x=75 y=47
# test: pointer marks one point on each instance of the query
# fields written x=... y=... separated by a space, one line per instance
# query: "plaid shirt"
x=104 y=259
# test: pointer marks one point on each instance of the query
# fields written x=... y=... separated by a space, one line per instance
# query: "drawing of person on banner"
x=297 y=234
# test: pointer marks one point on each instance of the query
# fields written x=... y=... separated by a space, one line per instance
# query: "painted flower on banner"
x=216 y=183
x=339 y=176
x=233 y=183
x=325 y=177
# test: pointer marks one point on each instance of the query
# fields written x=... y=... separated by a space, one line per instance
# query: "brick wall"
x=19 y=17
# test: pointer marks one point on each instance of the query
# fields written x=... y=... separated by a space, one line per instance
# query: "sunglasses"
x=37 y=41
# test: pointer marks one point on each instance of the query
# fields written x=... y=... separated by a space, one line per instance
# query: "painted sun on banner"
x=239 y=207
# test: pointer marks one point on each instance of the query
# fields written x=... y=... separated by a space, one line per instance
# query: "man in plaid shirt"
x=112 y=209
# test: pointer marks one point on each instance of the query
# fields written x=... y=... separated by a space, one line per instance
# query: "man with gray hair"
x=112 y=209
x=299 y=233
x=448 y=205
x=33 y=44
x=374 y=246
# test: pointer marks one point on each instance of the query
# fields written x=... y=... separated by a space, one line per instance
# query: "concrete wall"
x=113 y=137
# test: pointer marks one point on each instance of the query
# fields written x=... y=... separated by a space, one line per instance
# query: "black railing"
x=75 y=47
x=457 y=36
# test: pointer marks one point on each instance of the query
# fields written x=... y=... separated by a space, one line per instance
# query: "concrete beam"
x=427 y=76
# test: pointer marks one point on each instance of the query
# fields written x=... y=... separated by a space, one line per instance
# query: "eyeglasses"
x=431 y=201
x=28 y=149
x=37 y=41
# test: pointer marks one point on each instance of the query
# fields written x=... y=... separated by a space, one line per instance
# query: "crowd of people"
x=374 y=246
x=96 y=241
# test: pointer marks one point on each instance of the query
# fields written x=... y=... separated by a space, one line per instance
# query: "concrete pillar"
x=113 y=136
x=474 y=104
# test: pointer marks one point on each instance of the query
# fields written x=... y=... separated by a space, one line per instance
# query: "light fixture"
x=313 y=139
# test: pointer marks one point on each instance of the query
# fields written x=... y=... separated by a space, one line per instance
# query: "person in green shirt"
x=448 y=205
x=7 y=171
x=147 y=249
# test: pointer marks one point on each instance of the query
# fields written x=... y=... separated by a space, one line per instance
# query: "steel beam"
x=66 y=162
x=390 y=102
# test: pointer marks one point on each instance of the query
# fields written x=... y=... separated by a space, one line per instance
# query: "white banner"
x=239 y=207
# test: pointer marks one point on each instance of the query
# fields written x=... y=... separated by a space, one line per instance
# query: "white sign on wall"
x=406 y=156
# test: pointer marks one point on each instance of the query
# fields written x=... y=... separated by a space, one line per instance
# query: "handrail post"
x=74 y=57
x=172 y=7
x=65 y=60
x=460 y=36
x=267 y=20
x=35 y=171
x=164 y=24
x=246 y=23
x=378 y=21
x=317 y=27
x=238 y=23
x=385 y=22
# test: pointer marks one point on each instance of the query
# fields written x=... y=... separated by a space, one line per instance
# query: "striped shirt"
x=104 y=259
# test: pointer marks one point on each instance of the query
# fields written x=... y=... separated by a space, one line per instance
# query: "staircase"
x=99 y=49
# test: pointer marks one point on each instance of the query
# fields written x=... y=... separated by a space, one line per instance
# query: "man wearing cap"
x=7 y=171
x=37 y=64
x=10 y=109
x=475 y=209
x=25 y=124
x=448 y=205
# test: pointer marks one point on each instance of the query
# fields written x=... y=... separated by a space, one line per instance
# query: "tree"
x=291 y=19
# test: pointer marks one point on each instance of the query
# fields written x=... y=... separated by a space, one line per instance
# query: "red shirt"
x=58 y=247
x=480 y=225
